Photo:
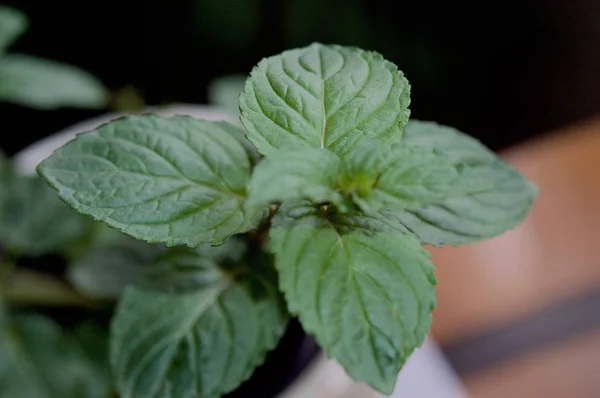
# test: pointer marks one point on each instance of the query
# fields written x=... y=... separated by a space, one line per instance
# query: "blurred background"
x=518 y=316
x=502 y=72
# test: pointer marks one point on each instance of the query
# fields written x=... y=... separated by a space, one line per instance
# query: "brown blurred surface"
x=566 y=370
x=552 y=257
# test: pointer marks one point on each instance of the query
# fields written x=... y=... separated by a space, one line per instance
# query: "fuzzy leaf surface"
x=178 y=180
x=324 y=96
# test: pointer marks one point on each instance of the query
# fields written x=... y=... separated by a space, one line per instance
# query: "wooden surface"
x=553 y=256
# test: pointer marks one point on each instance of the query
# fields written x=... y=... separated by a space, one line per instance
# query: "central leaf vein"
x=404 y=276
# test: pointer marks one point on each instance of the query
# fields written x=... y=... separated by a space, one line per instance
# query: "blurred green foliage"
x=41 y=83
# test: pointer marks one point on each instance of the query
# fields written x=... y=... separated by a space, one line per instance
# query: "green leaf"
x=233 y=250
x=44 y=84
x=111 y=266
x=225 y=91
x=200 y=335
x=238 y=134
x=304 y=173
x=173 y=180
x=406 y=177
x=324 y=97
x=365 y=291
x=39 y=360
x=474 y=216
x=13 y=24
x=94 y=340
x=105 y=271
x=34 y=220
x=460 y=147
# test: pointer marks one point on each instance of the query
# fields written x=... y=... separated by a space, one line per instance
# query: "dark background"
x=502 y=72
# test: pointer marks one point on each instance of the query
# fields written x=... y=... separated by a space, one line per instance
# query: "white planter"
x=426 y=375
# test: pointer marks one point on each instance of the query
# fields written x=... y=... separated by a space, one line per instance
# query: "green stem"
x=259 y=236
x=26 y=287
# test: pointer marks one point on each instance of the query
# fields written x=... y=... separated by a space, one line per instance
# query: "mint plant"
x=328 y=196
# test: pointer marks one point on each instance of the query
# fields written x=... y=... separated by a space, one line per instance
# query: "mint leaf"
x=94 y=341
x=239 y=135
x=13 y=24
x=45 y=84
x=460 y=147
x=181 y=270
x=200 y=340
x=34 y=220
x=39 y=360
x=109 y=267
x=225 y=91
x=324 y=97
x=406 y=177
x=173 y=180
x=304 y=173
x=473 y=216
x=366 y=293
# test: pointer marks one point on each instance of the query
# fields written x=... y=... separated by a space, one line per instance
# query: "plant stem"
x=258 y=237
x=26 y=287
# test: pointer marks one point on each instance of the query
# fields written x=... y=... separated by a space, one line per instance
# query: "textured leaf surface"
x=406 y=177
x=365 y=293
x=34 y=220
x=454 y=144
x=39 y=360
x=238 y=133
x=324 y=97
x=200 y=340
x=12 y=25
x=475 y=216
x=173 y=180
x=305 y=173
x=45 y=84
